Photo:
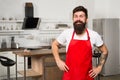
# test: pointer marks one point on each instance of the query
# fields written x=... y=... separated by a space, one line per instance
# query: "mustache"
x=78 y=21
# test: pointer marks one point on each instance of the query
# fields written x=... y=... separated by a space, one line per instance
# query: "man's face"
x=79 y=22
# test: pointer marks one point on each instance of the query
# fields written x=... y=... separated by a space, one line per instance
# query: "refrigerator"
x=109 y=29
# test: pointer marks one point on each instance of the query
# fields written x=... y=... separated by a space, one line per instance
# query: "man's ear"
x=87 y=20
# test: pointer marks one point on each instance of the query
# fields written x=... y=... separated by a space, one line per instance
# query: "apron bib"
x=79 y=59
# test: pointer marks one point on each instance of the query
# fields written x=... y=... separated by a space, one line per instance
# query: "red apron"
x=79 y=59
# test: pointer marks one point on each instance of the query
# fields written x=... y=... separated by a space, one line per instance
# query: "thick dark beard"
x=79 y=28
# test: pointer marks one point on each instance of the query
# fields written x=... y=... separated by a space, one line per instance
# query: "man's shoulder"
x=92 y=31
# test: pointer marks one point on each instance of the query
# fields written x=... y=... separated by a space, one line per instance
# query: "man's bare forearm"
x=103 y=56
x=55 y=50
x=103 y=59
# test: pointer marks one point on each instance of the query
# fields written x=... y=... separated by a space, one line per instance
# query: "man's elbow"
x=55 y=43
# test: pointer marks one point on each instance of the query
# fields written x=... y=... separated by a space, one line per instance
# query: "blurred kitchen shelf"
x=55 y=21
x=10 y=32
x=11 y=21
x=50 y=31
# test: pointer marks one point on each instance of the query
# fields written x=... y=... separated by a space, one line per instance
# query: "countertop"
x=39 y=52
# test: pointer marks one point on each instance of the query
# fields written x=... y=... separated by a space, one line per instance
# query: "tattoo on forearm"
x=102 y=59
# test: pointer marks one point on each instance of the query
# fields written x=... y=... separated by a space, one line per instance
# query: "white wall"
x=114 y=11
x=11 y=8
x=48 y=9
x=107 y=9
x=60 y=10
x=101 y=8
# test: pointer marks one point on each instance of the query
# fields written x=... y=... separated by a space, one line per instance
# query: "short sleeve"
x=62 y=38
x=98 y=40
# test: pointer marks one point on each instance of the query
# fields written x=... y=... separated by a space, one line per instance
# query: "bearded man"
x=79 y=42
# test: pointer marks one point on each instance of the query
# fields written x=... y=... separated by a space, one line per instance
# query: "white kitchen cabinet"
x=109 y=29
x=20 y=65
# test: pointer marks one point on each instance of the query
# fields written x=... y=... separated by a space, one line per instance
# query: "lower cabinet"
x=51 y=70
x=53 y=73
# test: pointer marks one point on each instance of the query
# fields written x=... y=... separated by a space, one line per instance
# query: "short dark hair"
x=80 y=8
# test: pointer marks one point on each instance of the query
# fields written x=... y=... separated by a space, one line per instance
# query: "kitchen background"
x=51 y=13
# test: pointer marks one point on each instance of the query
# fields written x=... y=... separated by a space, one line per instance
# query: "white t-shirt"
x=65 y=37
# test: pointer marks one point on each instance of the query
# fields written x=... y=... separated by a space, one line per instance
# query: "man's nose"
x=78 y=19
